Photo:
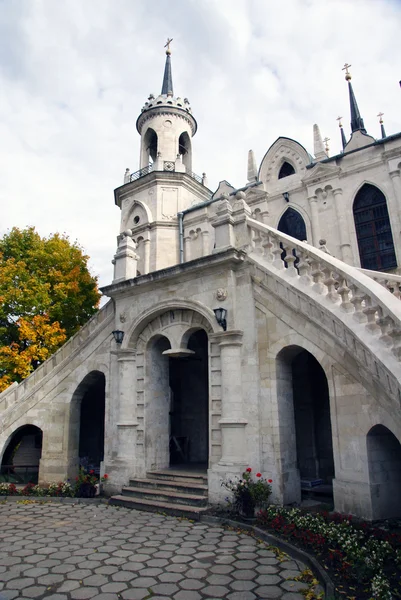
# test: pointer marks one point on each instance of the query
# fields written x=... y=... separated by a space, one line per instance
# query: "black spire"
x=356 y=119
x=167 y=87
x=343 y=140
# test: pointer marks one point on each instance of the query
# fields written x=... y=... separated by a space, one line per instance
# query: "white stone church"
x=255 y=327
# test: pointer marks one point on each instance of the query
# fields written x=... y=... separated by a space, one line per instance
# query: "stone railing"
x=388 y=280
x=15 y=392
x=353 y=292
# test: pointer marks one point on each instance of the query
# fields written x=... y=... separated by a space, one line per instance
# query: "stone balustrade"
x=16 y=392
x=360 y=294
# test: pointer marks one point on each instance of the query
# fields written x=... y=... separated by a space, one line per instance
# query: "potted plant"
x=249 y=493
x=86 y=482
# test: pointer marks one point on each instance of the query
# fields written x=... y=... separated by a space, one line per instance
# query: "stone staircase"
x=177 y=493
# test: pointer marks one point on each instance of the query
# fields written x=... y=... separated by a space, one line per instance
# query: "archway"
x=384 y=462
x=304 y=414
x=177 y=405
x=292 y=223
x=87 y=422
x=149 y=147
x=21 y=458
x=189 y=408
x=184 y=149
x=373 y=229
x=286 y=170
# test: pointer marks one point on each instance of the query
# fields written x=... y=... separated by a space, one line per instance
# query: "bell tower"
x=165 y=184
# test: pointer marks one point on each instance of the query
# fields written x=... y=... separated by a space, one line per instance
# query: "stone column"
x=345 y=242
x=316 y=235
x=205 y=243
x=232 y=422
x=127 y=422
x=394 y=211
x=187 y=248
x=146 y=256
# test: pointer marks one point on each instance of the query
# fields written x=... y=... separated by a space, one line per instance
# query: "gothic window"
x=373 y=229
x=286 y=170
x=293 y=224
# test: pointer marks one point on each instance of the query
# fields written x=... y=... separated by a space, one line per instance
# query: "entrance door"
x=189 y=406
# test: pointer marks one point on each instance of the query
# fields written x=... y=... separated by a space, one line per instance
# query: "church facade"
x=258 y=326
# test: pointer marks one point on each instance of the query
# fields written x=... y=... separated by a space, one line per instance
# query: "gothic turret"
x=166 y=126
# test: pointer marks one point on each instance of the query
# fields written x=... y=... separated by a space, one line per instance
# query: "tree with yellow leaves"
x=46 y=294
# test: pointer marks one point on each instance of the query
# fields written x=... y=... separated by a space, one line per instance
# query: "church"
x=258 y=327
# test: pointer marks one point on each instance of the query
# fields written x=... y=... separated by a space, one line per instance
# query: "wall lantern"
x=221 y=314
x=118 y=336
x=286 y=196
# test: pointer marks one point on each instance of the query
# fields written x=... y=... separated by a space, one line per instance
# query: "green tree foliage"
x=46 y=295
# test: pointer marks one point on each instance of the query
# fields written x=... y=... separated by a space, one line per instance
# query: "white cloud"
x=74 y=76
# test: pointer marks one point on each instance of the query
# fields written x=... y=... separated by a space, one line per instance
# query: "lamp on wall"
x=118 y=336
x=221 y=314
x=286 y=196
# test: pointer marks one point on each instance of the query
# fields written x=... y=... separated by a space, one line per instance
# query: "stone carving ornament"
x=221 y=294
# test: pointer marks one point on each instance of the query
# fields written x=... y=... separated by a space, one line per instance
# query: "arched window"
x=184 y=148
x=293 y=224
x=150 y=145
x=373 y=230
x=286 y=170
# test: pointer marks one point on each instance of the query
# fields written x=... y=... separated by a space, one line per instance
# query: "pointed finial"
x=167 y=45
x=326 y=146
x=380 y=115
x=347 y=73
x=318 y=148
x=343 y=140
x=252 y=169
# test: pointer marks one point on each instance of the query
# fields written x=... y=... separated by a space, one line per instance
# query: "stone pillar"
x=223 y=225
x=232 y=422
x=146 y=256
x=315 y=220
x=127 y=422
x=125 y=259
x=205 y=243
x=345 y=242
x=187 y=248
x=241 y=212
x=394 y=211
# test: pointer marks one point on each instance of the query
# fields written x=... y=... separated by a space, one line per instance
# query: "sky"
x=74 y=75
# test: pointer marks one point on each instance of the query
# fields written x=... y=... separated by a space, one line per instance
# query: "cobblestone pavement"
x=74 y=552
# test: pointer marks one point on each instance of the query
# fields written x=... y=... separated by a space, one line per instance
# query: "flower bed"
x=363 y=561
x=84 y=487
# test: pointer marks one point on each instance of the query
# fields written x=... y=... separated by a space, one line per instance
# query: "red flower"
x=105 y=476
x=270 y=480
x=258 y=474
x=249 y=470
x=91 y=472
x=76 y=478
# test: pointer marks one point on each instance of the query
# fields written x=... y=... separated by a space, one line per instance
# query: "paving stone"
x=294 y=586
x=62 y=569
x=35 y=591
x=289 y=564
x=268 y=591
x=165 y=589
x=196 y=573
x=95 y=580
x=217 y=591
x=79 y=574
x=241 y=596
x=83 y=593
x=58 y=597
x=290 y=573
x=187 y=595
x=191 y=584
x=266 y=569
x=170 y=577
x=145 y=582
x=268 y=579
x=219 y=579
x=245 y=564
x=20 y=583
x=289 y=596
x=242 y=586
x=68 y=586
x=242 y=574
x=115 y=587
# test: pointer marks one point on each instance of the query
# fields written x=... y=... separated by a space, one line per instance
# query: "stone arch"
x=139 y=215
x=294 y=225
x=193 y=313
x=303 y=410
x=21 y=454
x=185 y=150
x=149 y=147
x=283 y=150
x=286 y=169
x=373 y=229
x=384 y=464
x=87 y=413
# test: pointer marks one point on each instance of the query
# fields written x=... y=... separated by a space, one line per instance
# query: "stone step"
x=165 y=484
x=176 y=510
x=183 y=476
x=169 y=496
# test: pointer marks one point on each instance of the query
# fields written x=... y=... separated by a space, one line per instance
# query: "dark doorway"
x=189 y=405
x=384 y=460
x=22 y=456
x=313 y=434
x=91 y=421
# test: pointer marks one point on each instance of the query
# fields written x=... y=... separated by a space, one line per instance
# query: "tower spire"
x=167 y=87
x=357 y=123
x=318 y=148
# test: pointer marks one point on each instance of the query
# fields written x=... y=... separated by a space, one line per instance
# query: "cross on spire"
x=326 y=141
x=347 y=73
x=167 y=45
